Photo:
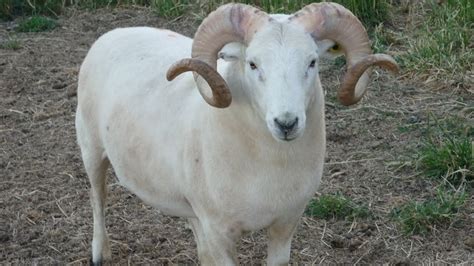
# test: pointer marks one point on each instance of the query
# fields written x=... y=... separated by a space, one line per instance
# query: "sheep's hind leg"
x=96 y=164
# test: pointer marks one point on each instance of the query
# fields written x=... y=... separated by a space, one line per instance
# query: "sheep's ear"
x=328 y=49
x=232 y=51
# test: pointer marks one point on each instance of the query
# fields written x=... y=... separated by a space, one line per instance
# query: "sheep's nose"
x=286 y=126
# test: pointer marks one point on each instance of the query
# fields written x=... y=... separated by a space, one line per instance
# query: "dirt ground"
x=45 y=216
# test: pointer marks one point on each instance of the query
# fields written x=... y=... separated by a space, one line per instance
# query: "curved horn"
x=221 y=93
x=228 y=23
x=335 y=22
x=347 y=94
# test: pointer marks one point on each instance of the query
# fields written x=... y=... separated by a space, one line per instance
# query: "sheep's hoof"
x=98 y=263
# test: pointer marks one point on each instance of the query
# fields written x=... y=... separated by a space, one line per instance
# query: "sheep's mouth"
x=286 y=137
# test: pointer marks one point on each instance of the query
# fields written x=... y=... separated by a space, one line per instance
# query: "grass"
x=11 y=44
x=174 y=8
x=10 y=9
x=423 y=217
x=446 y=151
x=335 y=207
x=371 y=12
x=381 y=38
x=440 y=48
x=94 y=4
x=37 y=24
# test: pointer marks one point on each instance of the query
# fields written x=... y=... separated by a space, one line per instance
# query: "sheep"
x=253 y=164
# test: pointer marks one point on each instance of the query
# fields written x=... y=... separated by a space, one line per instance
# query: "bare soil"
x=45 y=216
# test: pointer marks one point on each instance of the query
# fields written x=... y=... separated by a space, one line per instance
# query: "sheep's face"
x=280 y=66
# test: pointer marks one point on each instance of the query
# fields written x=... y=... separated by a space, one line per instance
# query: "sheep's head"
x=280 y=71
x=280 y=59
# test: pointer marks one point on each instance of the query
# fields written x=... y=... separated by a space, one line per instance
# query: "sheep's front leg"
x=202 y=248
x=221 y=241
x=280 y=235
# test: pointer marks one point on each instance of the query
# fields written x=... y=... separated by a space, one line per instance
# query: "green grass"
x=371 y=12
x=337 y=207
x=94 y=4
x=408 y=128
x=37 y=24
x=446 y=151
x=381 y=38
x=422 y=217
x=11 y=44
x=439 y=47
x=10 y=9
x=173 y=8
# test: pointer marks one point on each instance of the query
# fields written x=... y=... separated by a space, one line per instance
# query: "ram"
x=240 y=167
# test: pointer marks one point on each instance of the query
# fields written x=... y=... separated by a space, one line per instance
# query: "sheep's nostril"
x=286 y=126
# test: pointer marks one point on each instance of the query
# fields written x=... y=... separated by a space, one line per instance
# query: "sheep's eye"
x=334 y=48
x=312 y=64
x=253 y=66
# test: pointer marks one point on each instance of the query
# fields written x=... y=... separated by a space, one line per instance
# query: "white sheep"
x=252 y=165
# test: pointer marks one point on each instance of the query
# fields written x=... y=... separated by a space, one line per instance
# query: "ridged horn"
x=334 y=22
x=228 y=23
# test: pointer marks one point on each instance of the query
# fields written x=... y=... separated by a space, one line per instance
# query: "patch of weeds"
x=380 y=39
x=370 y=12
x=440 y=47
x=11 y=44
x=404 y=129
x=408 y=128
x=422 y=217
x=340 y=62
x=171 y=8
x=10 y=9
x=94 y=4
x=447 y=151
x=335 y=206
x=37 y=24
